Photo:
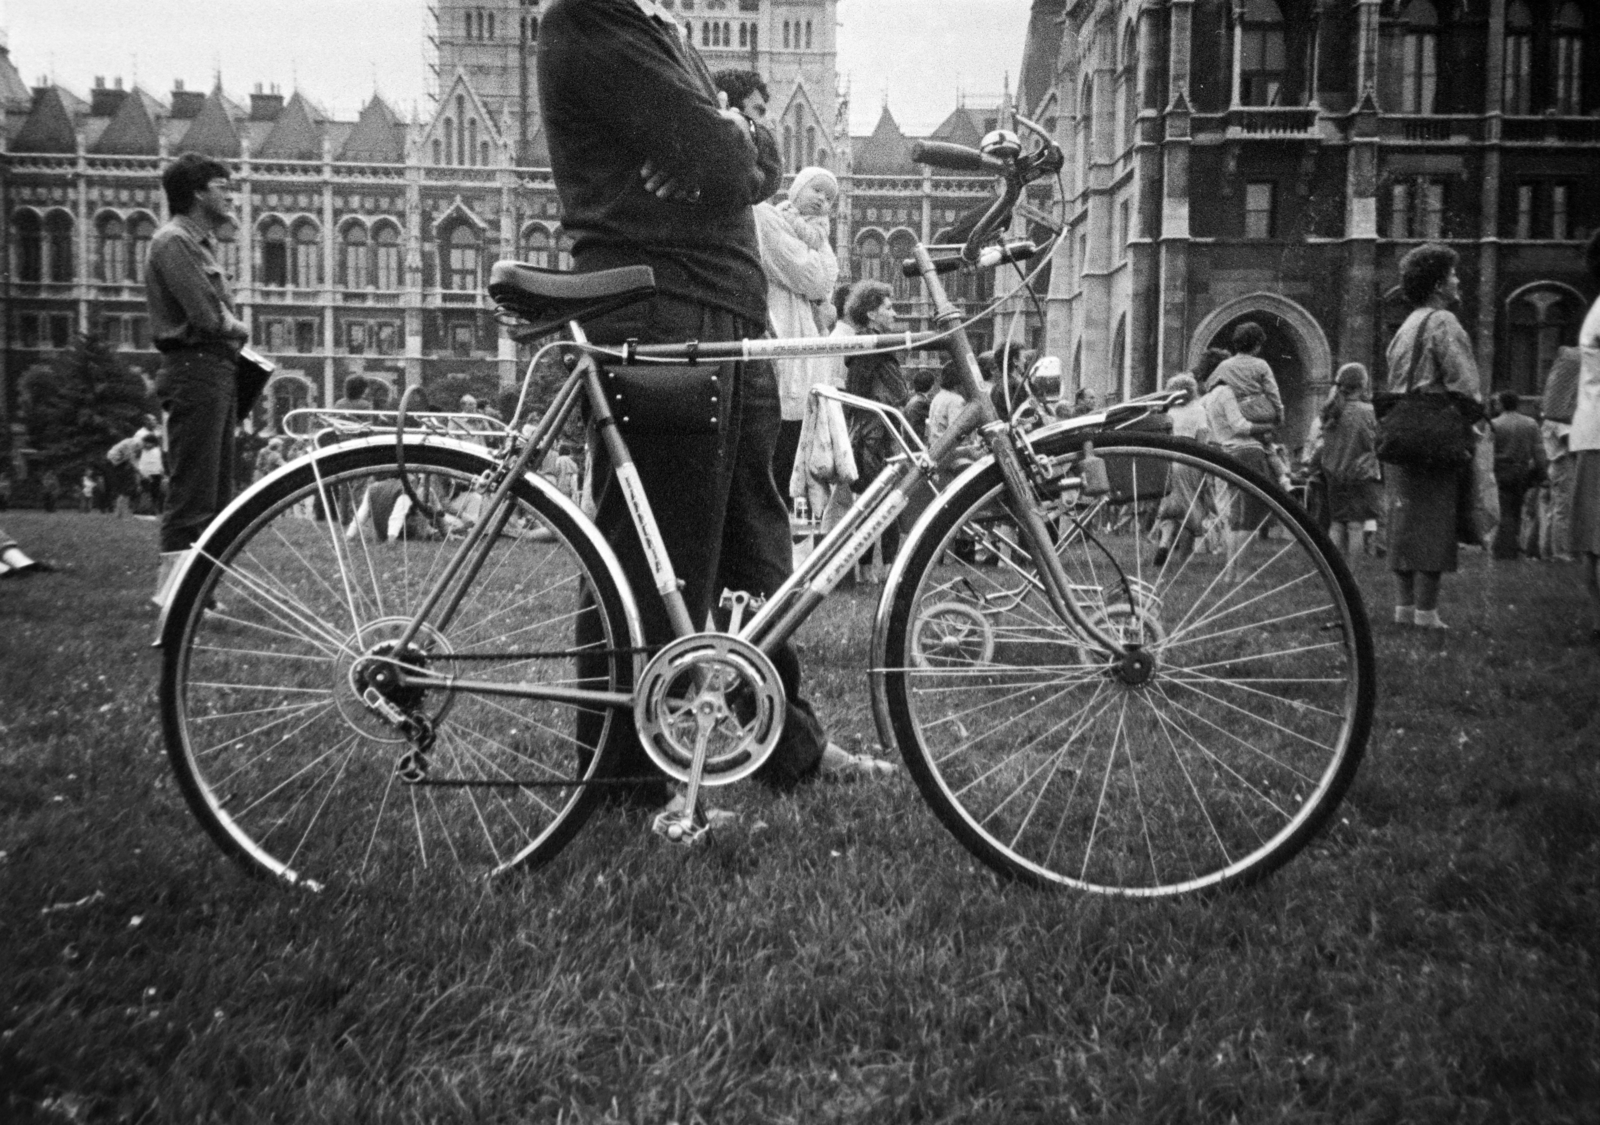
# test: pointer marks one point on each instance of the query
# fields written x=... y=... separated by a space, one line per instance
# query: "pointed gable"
x=49 y=125
x=296 y=134
x=960 y=128
x=886 y=152
x=460 y=115
x=131 y=131
x=212 y=133
x=379 y=136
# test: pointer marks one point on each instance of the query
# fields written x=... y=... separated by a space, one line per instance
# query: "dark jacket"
x=618 y=88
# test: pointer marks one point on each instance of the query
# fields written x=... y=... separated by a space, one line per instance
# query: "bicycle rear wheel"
x=1211 y=759
x=261 y=686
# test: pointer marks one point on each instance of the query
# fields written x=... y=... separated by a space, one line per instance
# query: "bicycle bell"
x=1002 y=144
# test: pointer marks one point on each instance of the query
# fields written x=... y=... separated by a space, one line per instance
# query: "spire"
x=296 y=134
x=213 y=132
x=131 y=132
x=49 y=125
x=379 y=136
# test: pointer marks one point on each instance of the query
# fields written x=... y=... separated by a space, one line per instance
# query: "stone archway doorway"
x=1296 y=347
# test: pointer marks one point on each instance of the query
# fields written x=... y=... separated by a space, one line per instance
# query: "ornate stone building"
x=362 y=245
x=1274 y=159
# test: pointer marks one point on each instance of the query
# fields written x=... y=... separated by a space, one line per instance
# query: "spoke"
x=334 y=524
x=1220 y=613
x=221 y=715
x=990 y=704
x=377 y=821
x=1167 y=727
x=291 y=612
x=1052 y=761
x=1254 y=657
x=1241 y=686
x=309 y=711
x=265 y=654
x=1085 y=718
x=1100 y=802
x=1249 y=627
x=1235 y=738
x=1217 y=699
x=343 y=762
x=1238 y=584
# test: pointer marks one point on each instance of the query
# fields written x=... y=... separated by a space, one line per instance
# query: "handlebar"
x=956 y=158
x=1001 y=153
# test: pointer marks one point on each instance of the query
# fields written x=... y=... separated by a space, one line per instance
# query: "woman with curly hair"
x=1431 y=349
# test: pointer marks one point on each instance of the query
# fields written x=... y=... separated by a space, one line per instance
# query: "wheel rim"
x=300 y=779
x=1206 y=761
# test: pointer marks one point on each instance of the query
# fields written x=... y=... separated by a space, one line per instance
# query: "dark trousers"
x=197 y=393
x=1508 y=535
x=723 y=521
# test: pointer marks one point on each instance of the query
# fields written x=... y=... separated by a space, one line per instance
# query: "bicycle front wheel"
x=1208 y=756
x=268 y=655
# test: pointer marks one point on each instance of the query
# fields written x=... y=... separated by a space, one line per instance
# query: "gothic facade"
x=1274 y=159
x=362 y=245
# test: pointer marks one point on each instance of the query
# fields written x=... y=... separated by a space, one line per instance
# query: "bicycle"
x=370 y=666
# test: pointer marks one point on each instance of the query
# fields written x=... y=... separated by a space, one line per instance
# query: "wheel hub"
x=1134 y=666
x=371 y=661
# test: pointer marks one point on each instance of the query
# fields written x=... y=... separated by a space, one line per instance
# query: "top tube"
x=797 y=347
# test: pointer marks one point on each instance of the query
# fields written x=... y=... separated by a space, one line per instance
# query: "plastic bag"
x=1477 y=496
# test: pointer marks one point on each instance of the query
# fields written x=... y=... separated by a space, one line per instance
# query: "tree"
x=85 y=402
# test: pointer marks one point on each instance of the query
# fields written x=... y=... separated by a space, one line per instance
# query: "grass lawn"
x=1435 y=956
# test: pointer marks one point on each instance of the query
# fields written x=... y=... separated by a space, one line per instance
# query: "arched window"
x=808 y=35
x=869 y=256
x=28 y=238
x=1262 y=54
x=386 y=256
x=461 y=259
x=563 y=250
x=472 y=141
x=788 y=145
x=111 y=264
x=306 y=269
x=1119 y=351
x=535 y=249
x=786 y=34
x=143 y=228
x=483 y=153
x=274 y=253
x=438 y=151
x=355 y=257
x=811 y=145
x=491 y=25
x=1419 y=58
x=1540 y=320
x=449 y=141
x=1130 y=86
x=461 y=133
x=727 y=35
x=900 y=248
x=1517 y=91
x=1568 y=68
x=1085 y=132
x=744 y=35
x=59 y=264
x=469 y=25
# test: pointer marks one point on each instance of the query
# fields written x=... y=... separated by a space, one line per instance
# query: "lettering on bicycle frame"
x=774 y=349
x=633 y=494
x=856 y=546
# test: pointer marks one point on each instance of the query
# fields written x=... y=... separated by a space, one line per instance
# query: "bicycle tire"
x=288 y=772
x=1057 y=769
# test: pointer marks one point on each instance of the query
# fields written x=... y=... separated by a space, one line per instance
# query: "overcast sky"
x=920 y=53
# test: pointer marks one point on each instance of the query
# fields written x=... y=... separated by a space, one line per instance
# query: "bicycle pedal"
x=679 y=827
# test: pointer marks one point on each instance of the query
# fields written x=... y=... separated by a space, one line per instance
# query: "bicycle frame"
x=809 y=585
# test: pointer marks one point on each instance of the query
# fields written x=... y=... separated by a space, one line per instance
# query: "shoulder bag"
x=1421 y=428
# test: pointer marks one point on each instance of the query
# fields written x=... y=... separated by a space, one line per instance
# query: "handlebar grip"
x=957 y=158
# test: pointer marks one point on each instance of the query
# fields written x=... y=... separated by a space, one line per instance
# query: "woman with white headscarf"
x=798 y=259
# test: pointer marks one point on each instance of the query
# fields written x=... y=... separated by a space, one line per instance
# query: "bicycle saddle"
x=547 y=299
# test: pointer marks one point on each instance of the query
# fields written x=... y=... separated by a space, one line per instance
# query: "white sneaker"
x=838 y=764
